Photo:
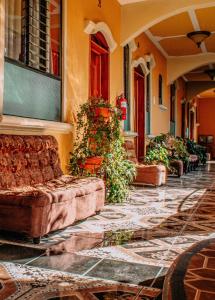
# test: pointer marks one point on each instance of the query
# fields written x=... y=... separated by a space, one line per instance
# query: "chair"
x=155 y=175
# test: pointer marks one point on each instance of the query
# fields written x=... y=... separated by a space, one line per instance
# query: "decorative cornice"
x=140 y=62
x=93 y=28
x=151 y=59
x=133 y=46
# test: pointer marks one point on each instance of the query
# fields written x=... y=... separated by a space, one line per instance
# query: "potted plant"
x=99 y=149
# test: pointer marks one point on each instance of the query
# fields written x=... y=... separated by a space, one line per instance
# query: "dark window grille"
x=160 y=89
x=172 y=102
x=33 y=34
x=36 y=34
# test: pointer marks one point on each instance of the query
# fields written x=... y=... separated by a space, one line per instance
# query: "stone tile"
x=10 y=252
x=125 y=272
x=66 y=262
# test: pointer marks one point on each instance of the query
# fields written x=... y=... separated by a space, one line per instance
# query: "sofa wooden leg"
x=36 y=240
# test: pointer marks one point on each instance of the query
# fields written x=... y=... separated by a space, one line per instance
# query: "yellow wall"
x=76 y=60
x=77 y=53
x=160 y=120
x=77 y=50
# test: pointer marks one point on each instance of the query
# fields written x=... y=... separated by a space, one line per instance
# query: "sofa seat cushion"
x=177 y=166
x=151 y=174
x=151 y=168
x=63 y=189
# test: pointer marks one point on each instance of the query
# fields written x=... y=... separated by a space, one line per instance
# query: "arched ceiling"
x=199 y=74
x=208 y=94
x=170 y=35
x=166 y=23
x=137 y=17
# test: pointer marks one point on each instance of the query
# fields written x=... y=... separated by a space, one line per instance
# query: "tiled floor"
x=122 y=253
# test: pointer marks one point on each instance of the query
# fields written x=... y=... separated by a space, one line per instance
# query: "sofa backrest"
x=130 y=150
x=28 y=160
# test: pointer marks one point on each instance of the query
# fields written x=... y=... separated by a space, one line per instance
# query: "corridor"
x=124 y=252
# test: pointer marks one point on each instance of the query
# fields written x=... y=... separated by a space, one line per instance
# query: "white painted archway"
x=179 y=66
x=92 y=28
x=142 y=62
x=139 y=17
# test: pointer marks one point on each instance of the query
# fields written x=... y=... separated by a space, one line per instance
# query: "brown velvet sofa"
x=35 y=197
x=146 y=174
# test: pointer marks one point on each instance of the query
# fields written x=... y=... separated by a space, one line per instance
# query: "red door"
x=139 y=94
x=95 y=74
x=99 y=67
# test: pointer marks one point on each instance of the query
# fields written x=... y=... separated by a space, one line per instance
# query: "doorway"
x=99 y=67
x=172 y=109
x=192 y=122
x=139 y=94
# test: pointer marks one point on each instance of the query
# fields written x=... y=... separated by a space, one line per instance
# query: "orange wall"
x=160 y=120
x=206 y=111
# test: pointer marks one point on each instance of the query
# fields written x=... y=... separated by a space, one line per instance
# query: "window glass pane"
x=13 y=30
x=33 y=33
x=31 y=94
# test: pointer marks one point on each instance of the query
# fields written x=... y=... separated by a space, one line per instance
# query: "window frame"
x=48 y=74
x=39 y=122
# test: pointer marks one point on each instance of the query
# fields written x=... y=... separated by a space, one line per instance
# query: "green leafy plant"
x=100 y=136
x=157 y=154
x=194 y=148
x=180 y=150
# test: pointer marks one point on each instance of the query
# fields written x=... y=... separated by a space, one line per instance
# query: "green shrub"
x=117 y=172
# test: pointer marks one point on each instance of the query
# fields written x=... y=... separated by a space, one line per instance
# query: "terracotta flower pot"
x=95 y=160
x=92 y=164
x=102 y=112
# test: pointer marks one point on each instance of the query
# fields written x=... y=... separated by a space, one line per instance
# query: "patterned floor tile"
x=134 y=242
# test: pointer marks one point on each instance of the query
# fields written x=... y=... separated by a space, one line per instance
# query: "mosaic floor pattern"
x=192 y=275
x=122 y=253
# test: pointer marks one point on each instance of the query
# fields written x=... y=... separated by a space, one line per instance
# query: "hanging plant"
x=99 y=150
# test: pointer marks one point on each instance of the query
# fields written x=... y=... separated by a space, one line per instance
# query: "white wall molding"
x=93 y=28
x=133 y=46
x=141 y=62
x=10 y=123
x=156 y=43
x=151 y=59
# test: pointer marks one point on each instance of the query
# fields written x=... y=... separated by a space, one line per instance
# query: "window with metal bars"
x=160 y=89
x=33 y=33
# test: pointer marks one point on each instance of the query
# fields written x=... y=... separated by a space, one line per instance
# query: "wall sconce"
x=198 y=36
x=99 y=3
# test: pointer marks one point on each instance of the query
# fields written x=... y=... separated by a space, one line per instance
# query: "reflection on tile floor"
x=131 y=245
